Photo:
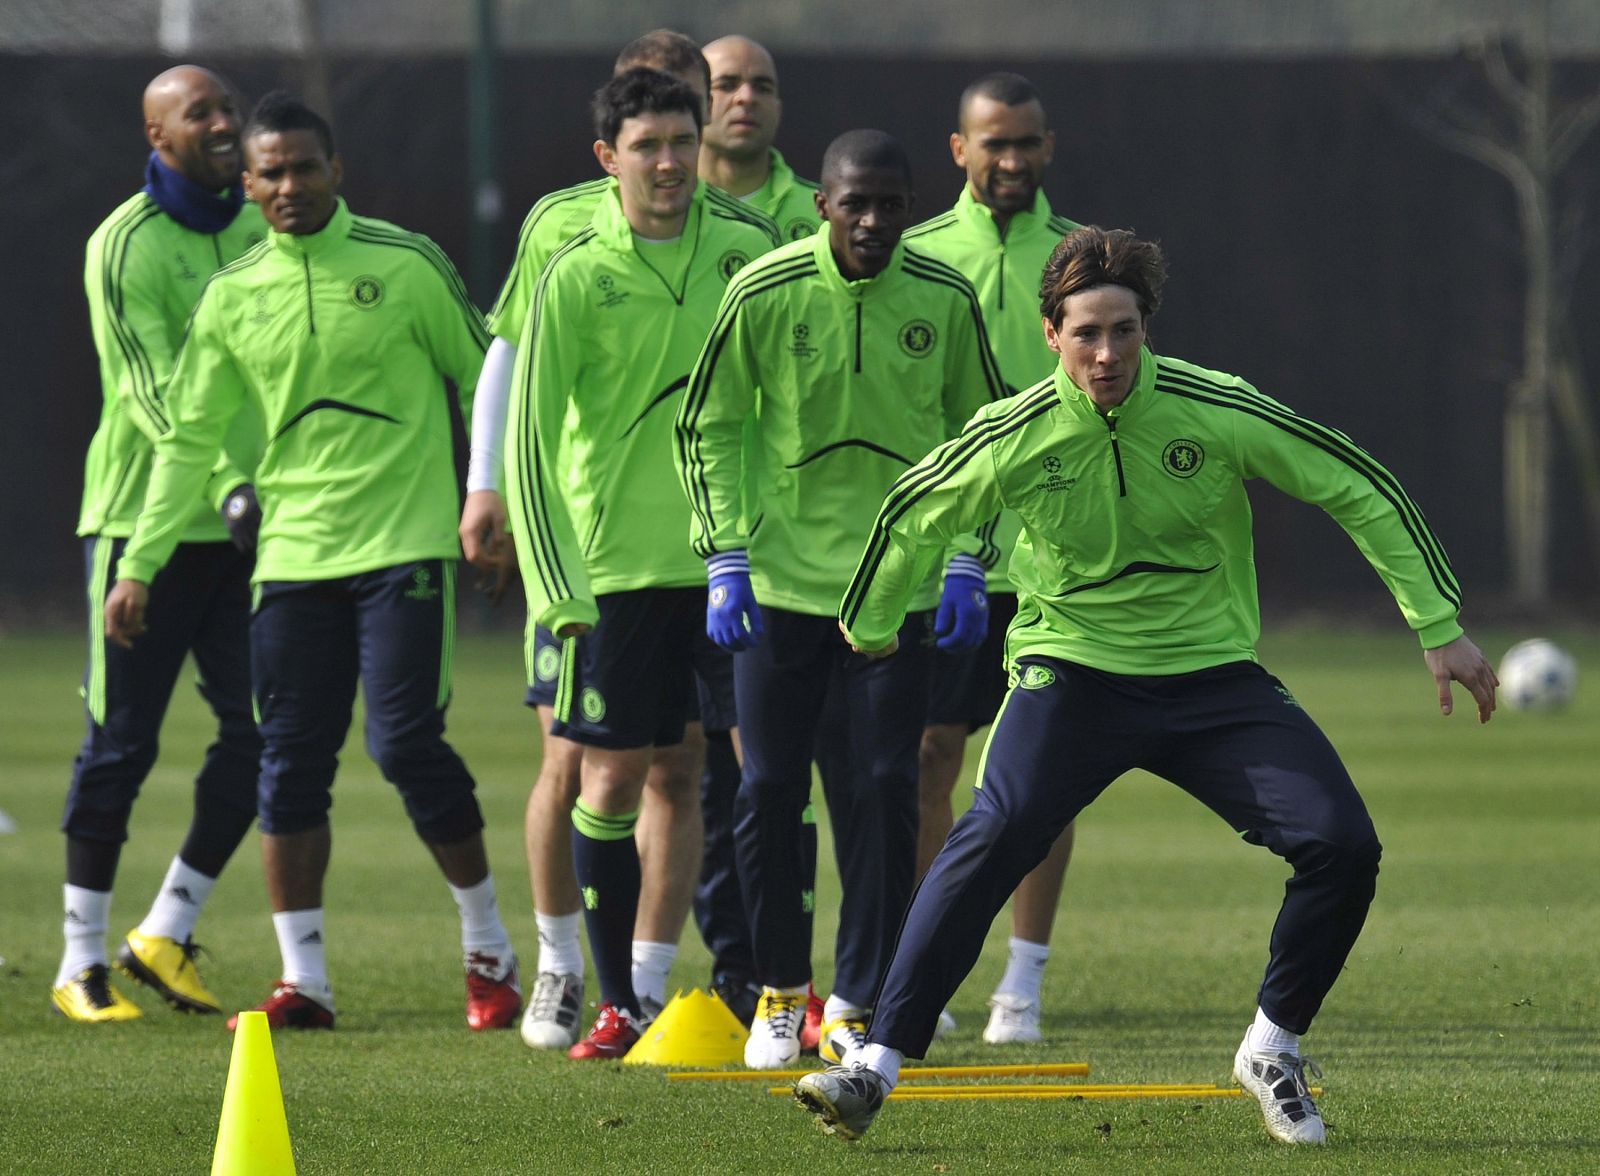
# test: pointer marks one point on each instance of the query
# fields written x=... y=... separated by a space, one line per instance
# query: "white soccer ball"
x=1538 y=675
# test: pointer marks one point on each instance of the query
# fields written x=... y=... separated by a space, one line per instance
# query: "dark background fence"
x=1321 y=247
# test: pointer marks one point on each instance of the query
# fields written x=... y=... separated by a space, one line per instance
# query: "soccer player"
x=618 y=316
x=1134 y=647
x=669 y=831
x=342 y=332
x=146 y=266
x=737 y=155
x=835 y=362
x=999 y=235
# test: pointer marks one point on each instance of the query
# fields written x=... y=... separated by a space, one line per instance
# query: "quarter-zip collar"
x=780 y=179
x=974 y=212
x=1078 y=401
x=822 y=250
x=329 y=236
x=614 y=232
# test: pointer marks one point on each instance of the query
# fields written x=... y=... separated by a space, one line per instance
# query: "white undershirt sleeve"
x=491 y=401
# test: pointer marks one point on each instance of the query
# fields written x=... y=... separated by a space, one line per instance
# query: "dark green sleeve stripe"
x=988 y=549
x=245 y=260
x=1335 y=444
x=114 y=260
x=692 y=461
x=541 y=209
x=524 y=434
x=1064 y=226
x=373 y=234
x=946 y=276
x=935 y=469
x=720 y=202
x=932 y=225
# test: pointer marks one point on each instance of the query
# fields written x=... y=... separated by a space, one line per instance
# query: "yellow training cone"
x=253 y=1135
x=695 y=1029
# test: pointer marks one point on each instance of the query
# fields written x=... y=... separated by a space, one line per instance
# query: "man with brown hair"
x=1134 y=647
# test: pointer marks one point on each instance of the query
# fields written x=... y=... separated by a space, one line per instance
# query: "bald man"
x=145 y=268
x=736 y=151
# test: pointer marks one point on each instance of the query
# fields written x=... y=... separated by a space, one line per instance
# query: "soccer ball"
x=1538 y=675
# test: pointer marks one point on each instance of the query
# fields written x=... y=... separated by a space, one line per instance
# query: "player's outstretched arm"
x=1462 y=661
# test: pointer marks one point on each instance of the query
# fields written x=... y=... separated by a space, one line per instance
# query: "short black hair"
x=667 y=50
x=865 y=149
x=1008 y=89
x=280 y=110
x=641 y=91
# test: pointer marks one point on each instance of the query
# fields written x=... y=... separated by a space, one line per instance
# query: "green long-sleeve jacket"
x=812 y=394
x=143 y=273
x=347 y=341
x=1004 y=268
x=613 y=331
x=1136 y=554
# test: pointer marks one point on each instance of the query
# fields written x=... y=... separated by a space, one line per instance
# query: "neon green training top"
x=552 y=222
x=847 y=383
x=1005 y=269
x=790 y=201
x=344 y=339
x=1136 y=555
x=143 y=273
x=614 y=329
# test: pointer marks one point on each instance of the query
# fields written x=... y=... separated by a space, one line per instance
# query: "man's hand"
x=485 y=543
x=733 y=618
x=1462 y=661
x=242 y=513
x=962 y=621
x=483 y=529
x=125 y=611
x=874 y=654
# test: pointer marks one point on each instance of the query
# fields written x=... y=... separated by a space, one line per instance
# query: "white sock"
x=802 y=990
x=178 y=903
x=305 y=962
x=651 y=963
x=837 y=1007
x=83 y=926
x=481 y=928
x=883 y=1061
x=1268 y=1037
x=559 y=948
x=1024 y=969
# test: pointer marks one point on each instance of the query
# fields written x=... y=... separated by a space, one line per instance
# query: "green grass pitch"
x=1464 y=1035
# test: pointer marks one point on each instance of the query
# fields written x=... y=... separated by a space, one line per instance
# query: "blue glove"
x=733 y=618
x=242 y=513
x=962 y=621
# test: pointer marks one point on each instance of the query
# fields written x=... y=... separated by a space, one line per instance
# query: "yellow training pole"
x=910 y=1074
x=1063 y=1088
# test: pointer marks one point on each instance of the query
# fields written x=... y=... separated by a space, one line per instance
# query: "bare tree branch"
x=1484 y=148
x=1570 y=128
x=1492 y=53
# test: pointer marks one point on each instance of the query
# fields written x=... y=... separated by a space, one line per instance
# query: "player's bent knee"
x=446 y=821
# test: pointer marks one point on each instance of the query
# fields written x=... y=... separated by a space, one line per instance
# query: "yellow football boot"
x=88 y=996
x=167 y=966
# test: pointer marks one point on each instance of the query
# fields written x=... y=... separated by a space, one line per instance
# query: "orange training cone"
x=695 y=1029
x=253 y=1134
